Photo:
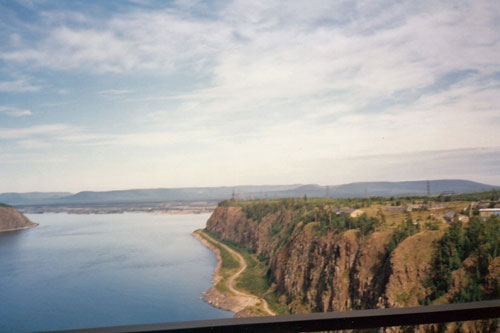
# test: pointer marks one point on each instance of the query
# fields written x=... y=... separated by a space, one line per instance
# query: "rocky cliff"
x=11 y=219
x=322 y=262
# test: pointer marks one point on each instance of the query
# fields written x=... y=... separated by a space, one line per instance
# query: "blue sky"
x=99 y=95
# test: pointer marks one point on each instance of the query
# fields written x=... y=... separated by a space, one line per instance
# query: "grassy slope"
x=229 y=265
x=253 y=280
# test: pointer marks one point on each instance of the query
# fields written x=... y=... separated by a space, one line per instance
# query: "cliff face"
x=12 y=219
x=317 y=267
x=333 y=272
x=410 y=265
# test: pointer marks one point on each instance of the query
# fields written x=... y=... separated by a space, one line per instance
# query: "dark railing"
x=326 y=321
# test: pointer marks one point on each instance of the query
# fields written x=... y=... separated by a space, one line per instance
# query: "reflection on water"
x=75 y=271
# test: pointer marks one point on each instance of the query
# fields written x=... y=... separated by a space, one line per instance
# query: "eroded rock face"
x=411 y=262
x=492 y=286
x=11 y=219
x=328 y=270
x=331 y=272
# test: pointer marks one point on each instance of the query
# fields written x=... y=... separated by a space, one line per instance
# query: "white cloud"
x=32 y=144
x=114 y=92
x=27 y=132
x=18 y=86
x=284 y=83
x=15 y=112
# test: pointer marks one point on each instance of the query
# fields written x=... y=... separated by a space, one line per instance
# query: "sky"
x=103 y=95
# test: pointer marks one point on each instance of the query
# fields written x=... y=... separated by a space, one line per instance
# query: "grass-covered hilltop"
x=321 y=254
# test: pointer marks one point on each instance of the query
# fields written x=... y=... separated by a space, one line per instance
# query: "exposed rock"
x=11 y=219
x=318 y=270
x=492 y=286
x=333 y=272
x=411 y=262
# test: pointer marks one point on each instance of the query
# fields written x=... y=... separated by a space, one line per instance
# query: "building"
x=437 y=206
x=395 y=208
x=487 y=212
x=357 y=213
x=484 y=203
x=344 y=210
x=449 y=216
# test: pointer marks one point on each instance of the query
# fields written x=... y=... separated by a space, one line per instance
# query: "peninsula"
x=11 y=219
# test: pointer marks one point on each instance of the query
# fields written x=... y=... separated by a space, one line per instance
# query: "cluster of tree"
x=329 y=220
x=406 y=229
x=478 y=240
x=492 y=195
x=262 y=205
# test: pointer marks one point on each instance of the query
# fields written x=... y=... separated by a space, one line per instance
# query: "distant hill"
x=360 y=189
x=406 y=188
x=31 y=197
x=172 y=194
x=11 y=219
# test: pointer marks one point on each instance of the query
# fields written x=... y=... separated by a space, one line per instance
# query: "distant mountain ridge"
x=359 y=189
x=32 y=197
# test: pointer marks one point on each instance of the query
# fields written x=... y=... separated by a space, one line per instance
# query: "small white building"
x=487 y=212
x=357 y=213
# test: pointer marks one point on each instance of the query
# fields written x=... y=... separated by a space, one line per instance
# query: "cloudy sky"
x=98 y=95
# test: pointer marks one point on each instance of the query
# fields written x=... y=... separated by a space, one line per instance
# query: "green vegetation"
x=478 y=240
x=322 y=210
x=229 y=265
x=254 y=279
x=256 y=208
x=342 y=222
x=403 y=231
x=492 y=195
x=4 y=205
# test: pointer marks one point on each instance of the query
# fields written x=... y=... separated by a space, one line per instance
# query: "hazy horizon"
x=152 y=94
x=240 y=185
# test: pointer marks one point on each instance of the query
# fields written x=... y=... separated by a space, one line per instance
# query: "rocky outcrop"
x=332 y=272
x=411 y=262
x=11 y=219
x=316 y=267
x=321 y=263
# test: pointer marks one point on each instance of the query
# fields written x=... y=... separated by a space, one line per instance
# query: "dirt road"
x=231 y=282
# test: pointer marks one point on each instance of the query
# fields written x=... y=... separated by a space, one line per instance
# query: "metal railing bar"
x=324 y=321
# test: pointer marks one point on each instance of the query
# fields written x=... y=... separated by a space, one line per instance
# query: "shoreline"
x=21 y=228
x=99 y=212
x=213 y=296
x=241 y=304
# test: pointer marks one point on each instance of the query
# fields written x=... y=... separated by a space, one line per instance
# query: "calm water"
x=75 y=271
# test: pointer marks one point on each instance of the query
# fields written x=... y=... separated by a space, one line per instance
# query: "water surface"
x=76 y=271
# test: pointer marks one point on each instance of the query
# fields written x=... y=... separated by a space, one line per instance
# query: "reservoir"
x=83 y=271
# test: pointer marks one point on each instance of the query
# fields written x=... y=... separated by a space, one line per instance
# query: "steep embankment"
x=320 y=260
x=331 y=272
x=242 y=303
x=11 y=219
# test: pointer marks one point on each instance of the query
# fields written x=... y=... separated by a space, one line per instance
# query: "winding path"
x=232 y=279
